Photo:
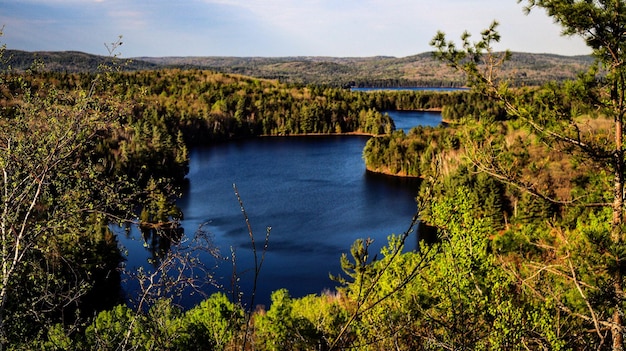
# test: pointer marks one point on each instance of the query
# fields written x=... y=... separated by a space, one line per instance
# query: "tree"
x=215 y=322
x=278 y=328
x=55 y=202
x=552 y=114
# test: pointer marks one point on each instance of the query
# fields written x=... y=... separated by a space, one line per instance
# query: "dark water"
x=406 y=120
x=313 y=192
x=438 y=89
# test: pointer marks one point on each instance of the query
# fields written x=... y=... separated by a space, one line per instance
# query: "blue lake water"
x=406 y=120
x=314 y=193
x=438 y=89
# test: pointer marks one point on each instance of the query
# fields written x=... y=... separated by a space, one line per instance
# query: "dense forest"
x=523 y=185
x=380 y=71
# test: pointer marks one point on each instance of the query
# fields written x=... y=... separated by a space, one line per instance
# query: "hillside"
x=68 y=61
x=417 y=70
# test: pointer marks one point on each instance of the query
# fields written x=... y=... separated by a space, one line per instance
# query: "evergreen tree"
x=554 y=119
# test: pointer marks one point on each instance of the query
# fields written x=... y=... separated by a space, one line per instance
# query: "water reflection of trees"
x=179 y=265
x=158 y=240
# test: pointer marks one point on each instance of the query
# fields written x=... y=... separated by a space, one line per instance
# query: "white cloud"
x=61 y=2
x=275 y=27
x=126 y=19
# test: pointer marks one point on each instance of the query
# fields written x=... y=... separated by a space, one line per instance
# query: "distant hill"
x=379 y=71
x=69 y=61
x=417 y=70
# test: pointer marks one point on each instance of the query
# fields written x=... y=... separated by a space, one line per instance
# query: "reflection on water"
x=159 y=241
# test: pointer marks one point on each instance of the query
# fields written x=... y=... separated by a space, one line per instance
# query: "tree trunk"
x=616 y=331
x=616 y=235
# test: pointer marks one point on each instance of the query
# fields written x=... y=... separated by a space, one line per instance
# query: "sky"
x=272 y=28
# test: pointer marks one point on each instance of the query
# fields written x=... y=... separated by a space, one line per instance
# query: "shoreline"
x=390 y=174
x=367 y=169
x=383 y=172
x=432 y=109
x=319 y=134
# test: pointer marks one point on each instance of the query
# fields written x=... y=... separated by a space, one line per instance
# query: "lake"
x=314 y=193
x=406 y=120
x=437 y=89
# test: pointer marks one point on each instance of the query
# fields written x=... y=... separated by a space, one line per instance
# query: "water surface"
x=406 y=120
x=436 y=89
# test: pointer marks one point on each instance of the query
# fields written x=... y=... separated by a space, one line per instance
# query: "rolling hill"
x=379 y=71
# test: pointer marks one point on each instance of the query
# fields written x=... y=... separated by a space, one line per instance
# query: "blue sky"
x=271 y=27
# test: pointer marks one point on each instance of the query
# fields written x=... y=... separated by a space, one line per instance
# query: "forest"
x=379 y=71
x=523 y=185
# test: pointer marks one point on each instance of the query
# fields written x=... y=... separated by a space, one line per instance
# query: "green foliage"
x=112 y=328
x=161 y=327
x=567 y=265
x=63 y=185
x=325 y=316
x=54 y=206
x=58 y=339
x=472 y=299
x=483 y=194
x=471 y=106
x=282 y=329
x=213 y=324
x=360 y=270
x=414 y=154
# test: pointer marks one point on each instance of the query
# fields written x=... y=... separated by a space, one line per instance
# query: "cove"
x=314 y=193
x=405 y=120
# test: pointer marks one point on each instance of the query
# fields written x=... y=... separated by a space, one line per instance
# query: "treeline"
x=67 y=61
x=465 y=117
x=413 y=154
x=404 y=83
x=207 y=106
x=418 y=70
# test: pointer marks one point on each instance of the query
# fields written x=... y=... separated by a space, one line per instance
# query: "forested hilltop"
x=417 y=70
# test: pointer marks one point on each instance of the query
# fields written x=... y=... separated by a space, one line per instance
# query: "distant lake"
x=406 y=120
x=315 y=194
x=440 y=89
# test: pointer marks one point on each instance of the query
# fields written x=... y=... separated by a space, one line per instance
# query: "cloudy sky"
x=271 y=27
